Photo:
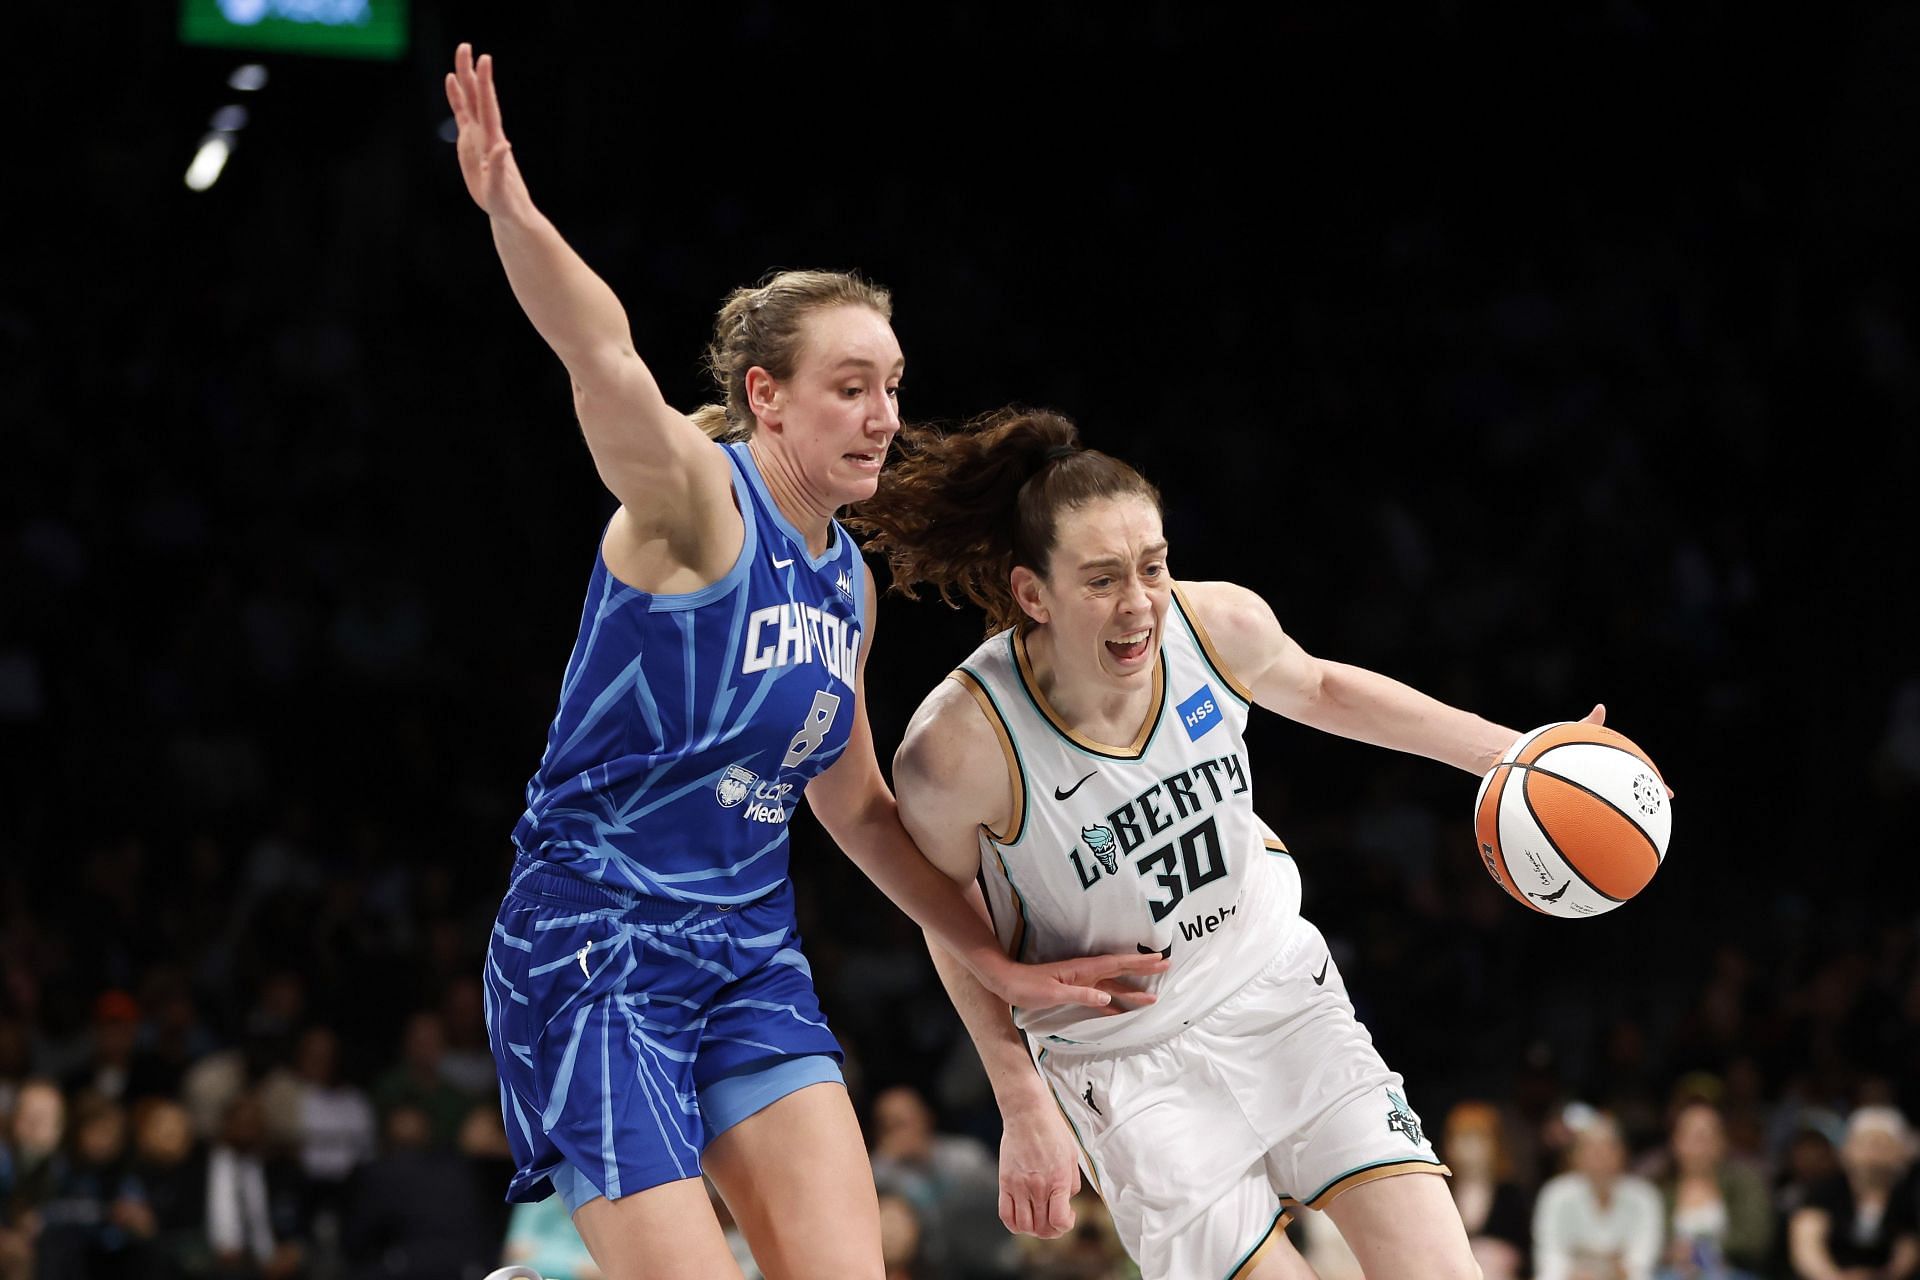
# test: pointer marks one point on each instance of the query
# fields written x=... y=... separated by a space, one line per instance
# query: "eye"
x=1153 y=571
x=894 y=392
x=851 y=392
x=1101 y=583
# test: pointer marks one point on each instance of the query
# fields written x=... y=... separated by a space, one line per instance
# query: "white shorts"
x=1199 y=1143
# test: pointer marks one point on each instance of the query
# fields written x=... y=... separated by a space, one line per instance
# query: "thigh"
x=1405 y=1225
x=796 y=1177
x=1165 y=1145
x=1332 y=1113
x=666 y=1232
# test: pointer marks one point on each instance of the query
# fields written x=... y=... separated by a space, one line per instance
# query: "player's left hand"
x=1100 y=982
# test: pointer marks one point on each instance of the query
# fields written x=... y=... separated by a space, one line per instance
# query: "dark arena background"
x=1534 y=355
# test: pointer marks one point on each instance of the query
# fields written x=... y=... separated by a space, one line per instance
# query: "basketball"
x=1574 y=820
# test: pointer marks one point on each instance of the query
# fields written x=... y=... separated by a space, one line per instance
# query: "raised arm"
x=1350 y=701
x=661 y=467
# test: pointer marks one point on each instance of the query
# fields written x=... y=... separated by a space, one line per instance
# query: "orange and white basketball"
x=1574 y=820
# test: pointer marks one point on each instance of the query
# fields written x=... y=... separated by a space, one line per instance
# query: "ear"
x=765 y=396
x=1029 y=592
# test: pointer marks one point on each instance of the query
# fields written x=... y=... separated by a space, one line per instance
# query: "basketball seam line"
x=1581 y=786
x=1497 y=793
x=1555 y=845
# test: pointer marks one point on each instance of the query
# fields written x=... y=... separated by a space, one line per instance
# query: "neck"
x=1088 y=701
x=808 y=511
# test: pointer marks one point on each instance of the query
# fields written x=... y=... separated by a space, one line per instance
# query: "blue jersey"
x=690 y=724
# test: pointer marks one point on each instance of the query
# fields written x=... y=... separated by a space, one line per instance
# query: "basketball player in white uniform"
x=1086 y=766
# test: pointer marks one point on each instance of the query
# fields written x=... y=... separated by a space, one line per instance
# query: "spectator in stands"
x=97 y=1220
x=1861 y=1225
x=1596 y=1221
x=256 y=1207
x=31 y=1166
x=329 y=1125
x=414 y=1211
x=418 y=1080
x=951 y=1181
x=173 y=1178
x=1492 y=1208
x=112 y=1039
x=1718 y=1222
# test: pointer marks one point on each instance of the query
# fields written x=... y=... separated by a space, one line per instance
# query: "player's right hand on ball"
x=1106 y=983
x=486 y=157
x=1039 y=1173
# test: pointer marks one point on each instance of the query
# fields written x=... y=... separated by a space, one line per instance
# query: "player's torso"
x=689 y=725
x=1148 y=846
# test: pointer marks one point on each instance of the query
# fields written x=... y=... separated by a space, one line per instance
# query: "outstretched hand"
x=1095 y=981
x=486 y=157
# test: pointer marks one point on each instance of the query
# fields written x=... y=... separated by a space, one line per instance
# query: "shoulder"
x=1234 y=622
x=950 y=740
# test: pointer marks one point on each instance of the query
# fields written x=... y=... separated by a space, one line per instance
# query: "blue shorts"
x=630 y=1032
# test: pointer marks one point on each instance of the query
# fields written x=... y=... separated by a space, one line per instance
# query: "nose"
x=1134 y=599
x=888 y=419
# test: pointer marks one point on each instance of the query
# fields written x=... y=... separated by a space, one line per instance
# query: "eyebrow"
x=1155 y=551
x=861 y=362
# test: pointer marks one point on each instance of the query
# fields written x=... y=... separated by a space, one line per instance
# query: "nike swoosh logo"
x=778 y=563
x=1320 y=978
x=1058 y=794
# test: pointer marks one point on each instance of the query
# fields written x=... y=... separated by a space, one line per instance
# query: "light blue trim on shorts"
x=725 y=1103
x=573 y=1187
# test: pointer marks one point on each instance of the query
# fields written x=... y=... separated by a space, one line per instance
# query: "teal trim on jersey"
x=1159 y=712
x=1200 y=647
x=749 y=545
x=834 y=547
x=1019 y=761
x=1377 y=1164
x=1234 y=1271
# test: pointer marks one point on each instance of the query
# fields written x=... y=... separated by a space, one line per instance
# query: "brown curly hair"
x=958 y=510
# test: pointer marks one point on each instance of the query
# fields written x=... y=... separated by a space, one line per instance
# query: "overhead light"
x=248 y=78
x=231 y=118
x=209 y=160
x=449 y=130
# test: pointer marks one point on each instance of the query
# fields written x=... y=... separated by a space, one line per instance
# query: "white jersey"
x=1153 y=846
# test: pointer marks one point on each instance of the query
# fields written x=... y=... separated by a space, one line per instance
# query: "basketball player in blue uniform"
x=1087 y=766
x=648 y=1003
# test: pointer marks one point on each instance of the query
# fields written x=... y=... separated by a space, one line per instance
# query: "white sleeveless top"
x=1153 y=846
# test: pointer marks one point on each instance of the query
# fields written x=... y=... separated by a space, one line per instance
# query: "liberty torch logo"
x=1402 y=1119
x=1100 y=842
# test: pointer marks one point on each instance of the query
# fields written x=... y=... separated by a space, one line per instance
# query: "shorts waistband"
x=548 y=882
x=1299 y=933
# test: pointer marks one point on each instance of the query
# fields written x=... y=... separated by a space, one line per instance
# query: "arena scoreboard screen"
x=334 y=28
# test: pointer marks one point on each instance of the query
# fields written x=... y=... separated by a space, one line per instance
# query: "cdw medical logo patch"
x=1199 y=713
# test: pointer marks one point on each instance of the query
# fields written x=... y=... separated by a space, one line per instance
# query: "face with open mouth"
x=1106 y=592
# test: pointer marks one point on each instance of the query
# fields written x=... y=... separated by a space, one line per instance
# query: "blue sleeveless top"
x=689 y=724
